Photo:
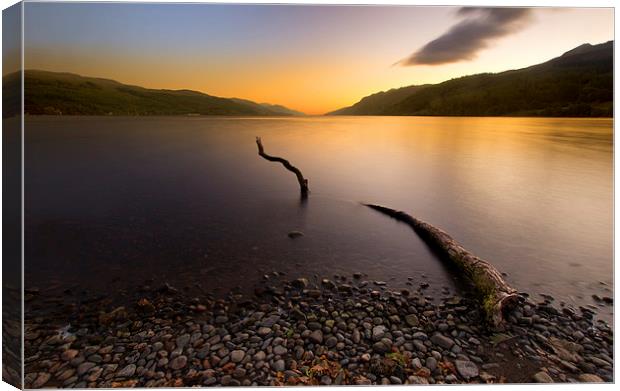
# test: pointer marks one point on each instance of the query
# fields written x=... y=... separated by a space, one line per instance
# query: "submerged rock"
x=295 y=234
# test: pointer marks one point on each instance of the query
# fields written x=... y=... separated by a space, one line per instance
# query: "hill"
x=579 y=83
x=376 y=104
x=69 y=94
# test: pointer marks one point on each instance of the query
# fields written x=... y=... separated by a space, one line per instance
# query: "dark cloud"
x=464 y=40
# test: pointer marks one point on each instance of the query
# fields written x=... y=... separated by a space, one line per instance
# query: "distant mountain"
x=378 y=103
x=577 y=84
x=69 y=94
x=274 y=108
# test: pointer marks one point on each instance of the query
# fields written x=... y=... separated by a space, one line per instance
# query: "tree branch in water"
x=303 y=183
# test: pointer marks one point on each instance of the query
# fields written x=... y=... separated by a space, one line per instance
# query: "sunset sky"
x=310 y=58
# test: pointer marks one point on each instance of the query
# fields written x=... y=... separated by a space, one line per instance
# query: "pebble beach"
x=308 y=331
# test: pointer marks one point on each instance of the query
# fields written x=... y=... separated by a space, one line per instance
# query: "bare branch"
x=303 y=183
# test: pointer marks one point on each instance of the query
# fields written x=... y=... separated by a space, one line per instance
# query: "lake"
x=112 y=201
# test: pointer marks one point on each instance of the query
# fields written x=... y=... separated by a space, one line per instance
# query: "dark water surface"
x=111 y=202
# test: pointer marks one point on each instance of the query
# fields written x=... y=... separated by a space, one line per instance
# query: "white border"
x=527 y=3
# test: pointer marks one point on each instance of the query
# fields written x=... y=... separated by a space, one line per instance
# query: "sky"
x=310 y=58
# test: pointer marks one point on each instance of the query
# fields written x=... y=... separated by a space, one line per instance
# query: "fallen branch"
x=303 y=183
x=494 y=293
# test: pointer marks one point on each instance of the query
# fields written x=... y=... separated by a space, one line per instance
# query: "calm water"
x=114 y=201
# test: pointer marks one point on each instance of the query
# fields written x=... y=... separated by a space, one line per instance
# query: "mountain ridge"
x=64 y=93
x=577 y=83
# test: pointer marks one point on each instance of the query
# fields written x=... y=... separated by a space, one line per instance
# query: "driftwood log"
x=494 y=293
x=303 y=183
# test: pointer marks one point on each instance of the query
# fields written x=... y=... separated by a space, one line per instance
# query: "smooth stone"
x=378 y=332
x=331 y=342
x=69 y=355
x=264 y=331
x=417 y=380
x=260 y=356
x=85 y=367
x=237 y=355
x=316 y=336
x=412 y=320
x=380 y=347
x=178 y=362
x=431 y=363
x=295 y=234
x=182 y=341
x=395 y=380
x=128 y=371
x=466 y=369
x=589 y=378
x=443 y=341
x=41 y=380
x=542 y=377
x=279 y=366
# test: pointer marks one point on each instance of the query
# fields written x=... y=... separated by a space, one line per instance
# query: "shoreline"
x=341 y=331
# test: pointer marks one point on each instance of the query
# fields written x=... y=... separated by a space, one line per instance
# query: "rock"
x=326 y=380
x=295 y=234
x=85 y=367
x=345 y=288
x=380 y=347
x=300 y=283
x=64 y=375
x=237 y=355
x=182 y=341
x=297 y=314
x=328 y=284
x=178 y=362
x=69 y=355
x=280 y=350
x=589 y=378
x=486 y=377
x=225 y=380
x=331 y=342
x=599 y=362
x=270 y=321
x=278 y=366
x=395 y=380
x=443 y=341
x=128 y=371
x=263 y=331
x=412 y=320
x=356 y=336
x=316 y=336
x=94 y=374
x=466 y=369
x=361 y=381
x=239 y=373
x=378 y=332
x=260 y=356
x=417 y=380
x=431 y=363
x=41 y=379
x=542 y=377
